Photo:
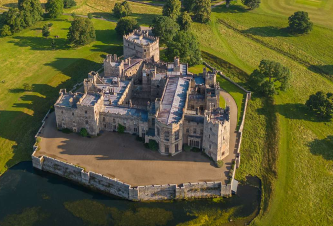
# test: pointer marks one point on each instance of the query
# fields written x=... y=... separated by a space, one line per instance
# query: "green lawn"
x=28 y=58
x=303 y=142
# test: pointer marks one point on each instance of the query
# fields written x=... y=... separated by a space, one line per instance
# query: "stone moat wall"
x=141 y=193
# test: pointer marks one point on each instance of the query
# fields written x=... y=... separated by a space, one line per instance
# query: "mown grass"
x=27 y=58
x=301 y=167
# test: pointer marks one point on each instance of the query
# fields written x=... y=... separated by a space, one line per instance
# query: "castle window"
x=211 y=129
x=209 y=136
x=103 y=119
x=210 y=146
x=86 y=122
x=177 y=135
x=222 y=153
x=201 y=131
x=166 y=149
x=114 y=120
x=176 y=148
x=135 y=129
x=104 y=125
x=73 y=113
x=194 y=130
x=62 y=112
x=187 y=130
x=85 y=112
x=166 y=136
x=158 y=131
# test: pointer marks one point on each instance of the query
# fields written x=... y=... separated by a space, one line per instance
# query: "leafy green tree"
x=202 y=10
x=81 y=31
x=185 y=21
x=69 y=3
x=84 y=132
x=186 y=46
x=269 y=77
x=90 y=16
x=126 y=25
x=188 y=5
x=165 y=28
x=122 y=9
x=14 y=19
x=31 y=11
x=55 y=8
x=321 y=103
x=6 y=31
x=121 y=128
x=172 y=9
x=299 y=23
x=252 y=4
x=46 y=31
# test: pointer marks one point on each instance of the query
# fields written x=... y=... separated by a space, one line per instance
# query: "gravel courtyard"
x=121 y=156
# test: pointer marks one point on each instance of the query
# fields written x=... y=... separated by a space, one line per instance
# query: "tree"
x=126 y=25
x=270 y=76
x=227 y=3
x=69 y=3
x=321 y=103
x=202 y=10
x=55 y=8
x=185 y=21
x=90 y=16
x=122 y=9
x=121 y=128
x=184 y=45
x=31 y=11
x=5 y=31
x=53 y=44
x=46 y=31
x=172 y=9
x=27 y=87
x=165 y=28
x=81 y=31
x=300 y=23
x=84 y=132
x=188 y=5
x=252 y=4
x=14 y=19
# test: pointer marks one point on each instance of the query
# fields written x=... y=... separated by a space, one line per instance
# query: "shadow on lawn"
x=268 y=31
x=231 y=9
x=21 y=125
x=327 y=69
x=323 y=147
x=39 y=43
x=296 y=111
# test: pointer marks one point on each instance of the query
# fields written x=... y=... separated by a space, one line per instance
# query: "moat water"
x=31 y=197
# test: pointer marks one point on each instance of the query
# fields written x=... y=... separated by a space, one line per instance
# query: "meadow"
x=284 y=144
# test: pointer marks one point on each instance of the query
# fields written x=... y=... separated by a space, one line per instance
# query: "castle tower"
x=113 y=67
x=216 y=133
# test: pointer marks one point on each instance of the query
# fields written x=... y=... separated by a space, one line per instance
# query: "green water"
x=31 y=197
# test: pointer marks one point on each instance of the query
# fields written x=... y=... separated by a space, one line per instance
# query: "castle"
x=157 y=101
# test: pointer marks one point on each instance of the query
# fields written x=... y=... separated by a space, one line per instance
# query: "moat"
x=34 y=197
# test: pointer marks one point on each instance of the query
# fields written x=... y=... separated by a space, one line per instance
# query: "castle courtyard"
x=121 y=156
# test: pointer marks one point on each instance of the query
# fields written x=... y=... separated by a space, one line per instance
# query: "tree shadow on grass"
x=268 y=31
x=11 y=5
x=322 y=147
x=327 y=69
x=108 y=36
x=231 y=9
x=296 y=111
x=39 y=43
x=19 y=126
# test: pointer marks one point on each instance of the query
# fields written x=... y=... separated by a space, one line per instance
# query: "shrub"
x=27 y=87
x=195 y=149
x=52 y=108
x=299 y=23
x=139 y=138
x=83 y=132
x=187 y=148
x=66 y=130
x=46 y=31
x=219 y=163
x=153 y=145
x=69 y=3
x=6 y=31
x=252 y=4
x=90 y=16
x=121 y=128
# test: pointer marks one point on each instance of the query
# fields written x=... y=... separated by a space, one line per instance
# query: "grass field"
x=283 y=143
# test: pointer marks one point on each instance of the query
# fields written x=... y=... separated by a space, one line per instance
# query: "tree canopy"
x=252 y=4
x=122 y=9
x=55 y=8
x=184 y=45
x=202 y=10
x=299 y=23
x=126 y=25
x=46 y=31
x=165 y=28
x=172 y=9
x=185 y=21
x=321 y=103
x=69 y=3
x=188 y=5
x=81 y=32
x=14 y=19
x=269 y=77
x=31 y=11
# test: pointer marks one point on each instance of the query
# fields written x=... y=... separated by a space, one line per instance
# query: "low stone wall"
x=141 y=193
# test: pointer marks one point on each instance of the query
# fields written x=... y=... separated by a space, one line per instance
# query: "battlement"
x=217 y=116
x=141 y=38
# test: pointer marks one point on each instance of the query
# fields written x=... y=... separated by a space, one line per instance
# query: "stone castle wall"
x=115 y=187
